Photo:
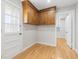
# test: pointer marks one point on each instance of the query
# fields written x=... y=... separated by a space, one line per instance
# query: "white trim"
x=47 y=44
x=25 y=48
x=73 y=36
x=32 y=45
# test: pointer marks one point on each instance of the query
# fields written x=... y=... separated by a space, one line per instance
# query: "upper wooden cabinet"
x=32 y=16
x=47 y=17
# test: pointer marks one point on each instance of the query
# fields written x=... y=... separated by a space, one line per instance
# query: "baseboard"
x=28 y=46
x=33 y=44
x=46 y=43
x=25 y=48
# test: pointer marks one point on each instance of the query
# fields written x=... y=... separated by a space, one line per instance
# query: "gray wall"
x=46 y=34
x=29 y=35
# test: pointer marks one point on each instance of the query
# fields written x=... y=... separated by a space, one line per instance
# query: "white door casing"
x=69 y=27
x=68 y=32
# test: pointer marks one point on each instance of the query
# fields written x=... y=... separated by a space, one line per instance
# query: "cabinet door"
x=50 y=17
x=36 y=17
x=32 y=16
x=41 y=18
x=25 y=11
x=29 y=13
x=47 y=18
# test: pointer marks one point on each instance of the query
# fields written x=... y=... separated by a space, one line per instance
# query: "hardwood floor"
x=40 y=51
x=63 y=51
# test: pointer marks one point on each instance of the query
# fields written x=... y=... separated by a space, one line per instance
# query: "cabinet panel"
x=25 y=12
x=35 y=17
x=30 y=15
x=41 y=18
x=47 y=17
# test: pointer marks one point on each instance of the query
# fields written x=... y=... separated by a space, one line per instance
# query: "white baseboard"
x=46 y=43
x=23 y=49
x=28 y=47
x=33 y=44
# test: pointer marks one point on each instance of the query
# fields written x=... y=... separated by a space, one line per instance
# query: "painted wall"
x=46 y=34
x=29 y=35
x=38 y=34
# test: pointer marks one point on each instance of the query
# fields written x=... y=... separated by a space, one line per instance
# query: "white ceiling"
x=42 y=4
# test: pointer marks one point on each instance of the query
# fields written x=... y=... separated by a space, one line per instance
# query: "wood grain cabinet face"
x=25 y=12
x=47 y=18
x=30 y=15
x=41 y=18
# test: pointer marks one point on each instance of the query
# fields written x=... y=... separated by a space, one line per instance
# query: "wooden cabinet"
x=25 y=11
x=30 y=14
x=47 y=17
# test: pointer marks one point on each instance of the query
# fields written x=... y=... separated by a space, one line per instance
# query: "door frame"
x=73 y=43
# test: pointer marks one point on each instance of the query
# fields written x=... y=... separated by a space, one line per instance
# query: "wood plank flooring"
x=37 y=51
x=63 y=51
x=41 y=51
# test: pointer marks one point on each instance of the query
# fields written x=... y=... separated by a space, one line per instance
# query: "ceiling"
x=42 y=4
